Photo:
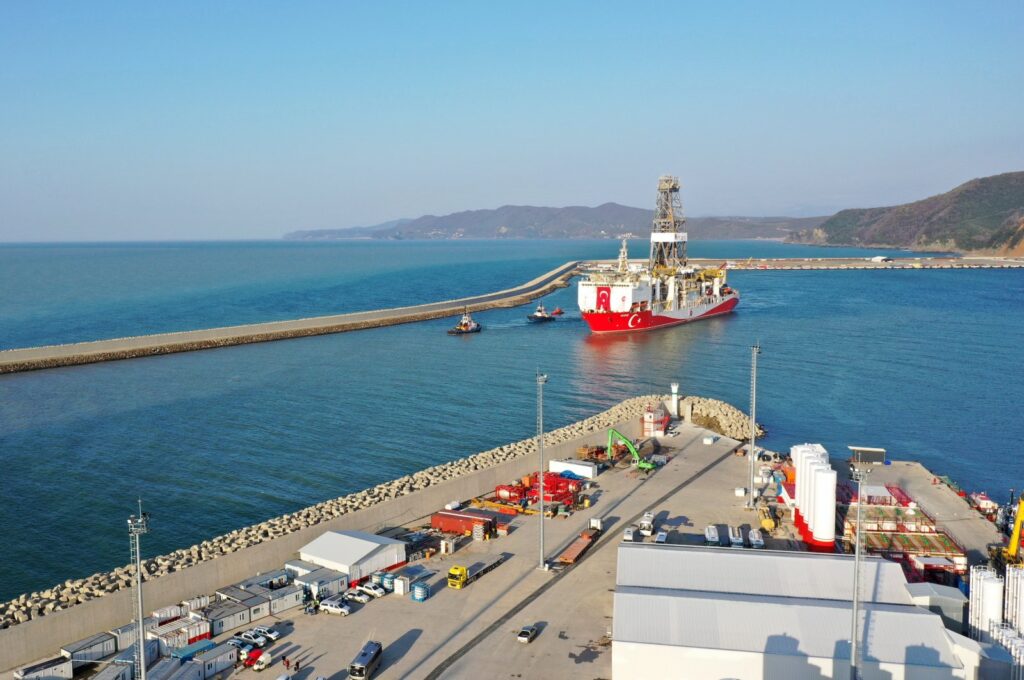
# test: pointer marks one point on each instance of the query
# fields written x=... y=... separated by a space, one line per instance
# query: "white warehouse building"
x=753 y=614
x=354 y=553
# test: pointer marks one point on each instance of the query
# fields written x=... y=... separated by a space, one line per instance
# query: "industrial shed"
x=354 y=553
x=769 y=614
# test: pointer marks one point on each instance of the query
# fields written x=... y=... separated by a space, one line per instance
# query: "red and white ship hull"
x=632 y=322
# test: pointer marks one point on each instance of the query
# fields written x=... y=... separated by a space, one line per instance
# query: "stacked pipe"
x=986 y=603
x=815 y=515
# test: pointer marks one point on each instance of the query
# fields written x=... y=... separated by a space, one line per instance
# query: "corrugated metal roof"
x=758 y=572
x=925 y=589
x=778 y=625
x=344 y=547
x=222 y=609
x=321 y=575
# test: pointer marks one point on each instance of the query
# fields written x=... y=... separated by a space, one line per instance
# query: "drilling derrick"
x=668 y=240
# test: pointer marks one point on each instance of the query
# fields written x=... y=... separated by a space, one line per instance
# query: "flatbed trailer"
x=460 y=577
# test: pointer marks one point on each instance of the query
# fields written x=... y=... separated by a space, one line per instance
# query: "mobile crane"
x=1010 y=553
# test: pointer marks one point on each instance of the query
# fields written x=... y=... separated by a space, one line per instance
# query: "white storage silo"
x=825 y=506
x=986 y=603
x=1013 y=607
x=813 y=471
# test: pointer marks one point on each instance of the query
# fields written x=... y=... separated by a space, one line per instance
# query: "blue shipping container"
x=186 y=653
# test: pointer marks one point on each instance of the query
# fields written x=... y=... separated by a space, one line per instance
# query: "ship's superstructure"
x=667 y=291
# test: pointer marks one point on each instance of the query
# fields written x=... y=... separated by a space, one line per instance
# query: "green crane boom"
x=615 y=435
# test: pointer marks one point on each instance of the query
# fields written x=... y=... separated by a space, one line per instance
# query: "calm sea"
x=924 y=363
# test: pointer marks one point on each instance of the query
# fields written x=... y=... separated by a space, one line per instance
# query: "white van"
x=662 y=537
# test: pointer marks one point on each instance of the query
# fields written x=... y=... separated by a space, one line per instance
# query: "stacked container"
x=180 y=633
x=169 y=613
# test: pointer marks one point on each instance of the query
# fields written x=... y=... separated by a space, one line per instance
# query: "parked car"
x=526 y=634
x=335 y=605
x=267 y=632
x=373 y=590
x=252 y=638
x=355 y=595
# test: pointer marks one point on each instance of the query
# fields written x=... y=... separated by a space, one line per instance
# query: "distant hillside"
x=984 y=214
x=521 y=222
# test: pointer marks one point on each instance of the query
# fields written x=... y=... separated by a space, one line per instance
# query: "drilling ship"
x=666 y=291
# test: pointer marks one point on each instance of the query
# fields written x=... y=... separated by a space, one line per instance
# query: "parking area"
x=472 y=632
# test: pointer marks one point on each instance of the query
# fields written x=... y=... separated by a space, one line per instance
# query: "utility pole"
x=541 y=379
x=755 y=349
x=138 y=525
x=858 y=472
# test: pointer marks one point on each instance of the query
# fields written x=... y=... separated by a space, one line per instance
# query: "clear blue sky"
x=183 y=120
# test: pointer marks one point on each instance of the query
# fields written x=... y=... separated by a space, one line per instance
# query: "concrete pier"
x=53 y=356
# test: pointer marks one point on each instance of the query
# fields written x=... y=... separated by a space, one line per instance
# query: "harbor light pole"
x=541 y=379
x=859 y=471
x=755 y=349
x=137 y=526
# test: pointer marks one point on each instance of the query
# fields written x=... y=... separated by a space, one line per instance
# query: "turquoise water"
x=921 y=362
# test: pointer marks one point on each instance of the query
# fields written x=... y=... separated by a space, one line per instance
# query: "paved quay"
x=470 y=632
x=53 y=356
x=951 y=512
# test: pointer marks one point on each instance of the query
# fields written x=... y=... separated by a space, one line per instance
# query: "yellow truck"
x=460 y=577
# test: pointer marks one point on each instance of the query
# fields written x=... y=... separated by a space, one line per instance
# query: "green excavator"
x=640 y=463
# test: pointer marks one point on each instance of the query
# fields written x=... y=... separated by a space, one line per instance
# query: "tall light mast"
x=541 y=379
x=137 y=526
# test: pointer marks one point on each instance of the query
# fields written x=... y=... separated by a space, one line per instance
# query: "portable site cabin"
x=356 y=554
x=217 y=660
x=58 y=667
x=257 y=605
x=163 y=669
x=270 y=580
x=125 y=635
x=298 y=568
x=190 y=670
x=123 y=665
x=280 y=599
x=223 y=616
x=322 y=583
x=98 y=646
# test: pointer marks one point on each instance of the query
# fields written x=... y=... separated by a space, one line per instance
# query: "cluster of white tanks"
x=986 y=603
x=815 y=494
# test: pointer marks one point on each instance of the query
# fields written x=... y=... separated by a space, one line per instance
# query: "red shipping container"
x=453 y=522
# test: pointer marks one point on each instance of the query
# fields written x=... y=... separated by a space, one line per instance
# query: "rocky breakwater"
x=719 y=416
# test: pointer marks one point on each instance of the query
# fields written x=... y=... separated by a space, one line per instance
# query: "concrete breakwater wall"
x=36 y=624
x=36 y=358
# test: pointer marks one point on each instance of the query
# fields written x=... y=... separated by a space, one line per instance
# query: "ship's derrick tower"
x=668 y=240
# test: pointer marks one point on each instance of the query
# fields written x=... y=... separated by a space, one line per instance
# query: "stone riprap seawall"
x=37 y=358
x=732 y=423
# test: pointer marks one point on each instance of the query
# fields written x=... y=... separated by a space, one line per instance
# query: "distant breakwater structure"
x=35 y=624
x=72 y=354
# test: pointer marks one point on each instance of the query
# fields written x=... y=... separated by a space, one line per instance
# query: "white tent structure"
x=354 y=553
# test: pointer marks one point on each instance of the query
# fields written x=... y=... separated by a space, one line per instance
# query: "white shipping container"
x=90 y=649
x=582 y=468
x=125 y=635
x=196 y=603
x=58 y=667
x=169 y=613
x=217 y=660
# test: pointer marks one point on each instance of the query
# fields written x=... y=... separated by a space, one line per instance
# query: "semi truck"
x=460 y=577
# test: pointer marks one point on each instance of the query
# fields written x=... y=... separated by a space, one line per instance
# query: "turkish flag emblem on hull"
x=604 y=298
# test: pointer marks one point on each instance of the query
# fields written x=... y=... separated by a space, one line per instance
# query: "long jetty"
x=53 y=356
